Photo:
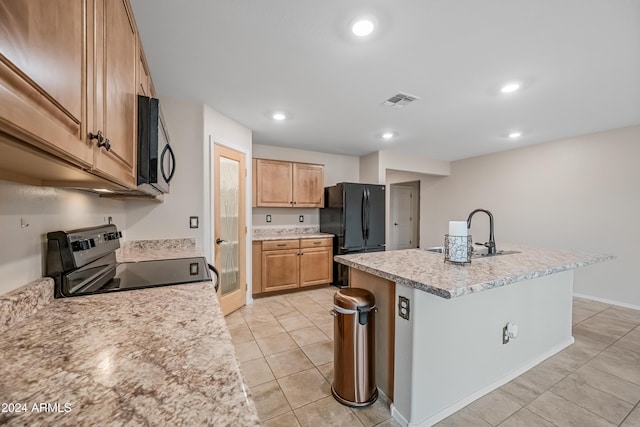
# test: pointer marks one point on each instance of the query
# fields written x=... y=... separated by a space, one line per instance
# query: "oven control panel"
x=76 y=248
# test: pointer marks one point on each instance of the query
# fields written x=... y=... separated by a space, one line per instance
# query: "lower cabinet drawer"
x=272 y=245
x=315 y=243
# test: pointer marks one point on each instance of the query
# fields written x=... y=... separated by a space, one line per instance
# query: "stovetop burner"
x=83 y=262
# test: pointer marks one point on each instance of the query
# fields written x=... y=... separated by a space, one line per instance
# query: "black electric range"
x=83 y=262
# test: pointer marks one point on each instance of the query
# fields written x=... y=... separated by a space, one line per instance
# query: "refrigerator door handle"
x=363 y=213
x=368 y=207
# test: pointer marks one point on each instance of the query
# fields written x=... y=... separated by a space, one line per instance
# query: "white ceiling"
x=579 y=61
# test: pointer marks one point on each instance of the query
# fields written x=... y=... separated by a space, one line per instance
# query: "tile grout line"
x=571 y=372
x=630 y=412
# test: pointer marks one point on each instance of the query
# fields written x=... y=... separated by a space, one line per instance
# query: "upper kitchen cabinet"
x=43 y=76
x=116 y=42
x=308 y=185
x=287 y=184
x=145 y=85
x=69 y=72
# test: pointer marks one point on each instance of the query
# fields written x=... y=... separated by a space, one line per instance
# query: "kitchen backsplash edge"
x=21 y=303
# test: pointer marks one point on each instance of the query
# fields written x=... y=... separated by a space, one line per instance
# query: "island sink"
x=440 y=250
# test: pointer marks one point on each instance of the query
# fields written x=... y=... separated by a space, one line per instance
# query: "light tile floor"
x=285 y=344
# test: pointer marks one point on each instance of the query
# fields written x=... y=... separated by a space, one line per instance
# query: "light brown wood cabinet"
x=44 y=61
x=280 y=183
x=115 y=108
x=68 y=69
x=289 y=264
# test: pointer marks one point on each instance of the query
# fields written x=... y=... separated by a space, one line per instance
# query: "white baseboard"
x=607 y=301
x=396 y=415
x=475 y=396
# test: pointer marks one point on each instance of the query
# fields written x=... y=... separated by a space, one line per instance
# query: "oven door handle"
x=215 y=272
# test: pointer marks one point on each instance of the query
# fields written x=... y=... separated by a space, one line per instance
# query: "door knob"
x=219 y=240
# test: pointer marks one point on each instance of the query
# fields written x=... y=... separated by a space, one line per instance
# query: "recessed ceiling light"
x=510 y=87
x=279 y=116
x=362 y=28
x=515 y=135
x=388 y=135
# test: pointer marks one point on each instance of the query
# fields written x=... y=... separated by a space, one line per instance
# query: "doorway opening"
x=404 y=200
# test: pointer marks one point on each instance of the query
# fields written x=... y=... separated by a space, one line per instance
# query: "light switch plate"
x=268 y=218
x=193 y=222
x=301 y=218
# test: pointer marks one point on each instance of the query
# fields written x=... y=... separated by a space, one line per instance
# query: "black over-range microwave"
x=156 y=160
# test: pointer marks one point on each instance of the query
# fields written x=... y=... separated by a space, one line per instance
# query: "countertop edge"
x=476 y=287
x=292 y=236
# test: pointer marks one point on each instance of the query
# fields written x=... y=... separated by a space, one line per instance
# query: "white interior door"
x=401 y=217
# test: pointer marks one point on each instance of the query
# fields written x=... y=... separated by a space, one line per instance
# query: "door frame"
x=415 y=210
x=209 y=208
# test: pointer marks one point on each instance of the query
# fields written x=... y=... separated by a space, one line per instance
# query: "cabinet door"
x=280 y=270
x=315 y=266
x=115 y=92
x=274 y=181
x=308 y=186
x=144 y=78
x=43 y=74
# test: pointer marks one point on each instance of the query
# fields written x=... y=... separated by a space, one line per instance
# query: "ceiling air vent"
x=400 y=100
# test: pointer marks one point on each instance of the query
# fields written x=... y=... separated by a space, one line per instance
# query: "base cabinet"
x=290 y=264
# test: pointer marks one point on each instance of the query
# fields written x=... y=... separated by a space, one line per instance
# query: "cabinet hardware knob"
x=219 y=240
x=98 y=136
x=106 y=144
x=281 y=244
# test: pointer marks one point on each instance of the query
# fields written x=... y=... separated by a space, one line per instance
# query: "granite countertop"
x=158 y=356
x=427 y=271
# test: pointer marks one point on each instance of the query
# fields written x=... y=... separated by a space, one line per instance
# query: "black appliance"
x=355 y=213
x=156 y=160
x=83 y=262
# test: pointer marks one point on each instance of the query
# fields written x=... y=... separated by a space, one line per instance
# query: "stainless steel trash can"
x=354 y=382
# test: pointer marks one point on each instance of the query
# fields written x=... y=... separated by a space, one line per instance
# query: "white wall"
x=374 y=166
x=337 y=168
x=170 y=219
x=581 y=193
x=369 y=169
x=22 y=253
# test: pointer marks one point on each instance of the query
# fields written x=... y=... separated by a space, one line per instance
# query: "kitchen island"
x=156 y=356
x=448 y=350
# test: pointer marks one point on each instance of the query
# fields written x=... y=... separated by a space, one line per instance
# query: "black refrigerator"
x=355 y=213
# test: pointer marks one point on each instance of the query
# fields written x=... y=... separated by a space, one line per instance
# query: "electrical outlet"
x=404 y=307
x=301 y=218
x=505 y=336
x=193 y=222
x=268 y=218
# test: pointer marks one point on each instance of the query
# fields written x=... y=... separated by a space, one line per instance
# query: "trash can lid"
x=352 y=298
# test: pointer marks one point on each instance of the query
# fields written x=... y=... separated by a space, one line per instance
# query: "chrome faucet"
x=491 y=244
